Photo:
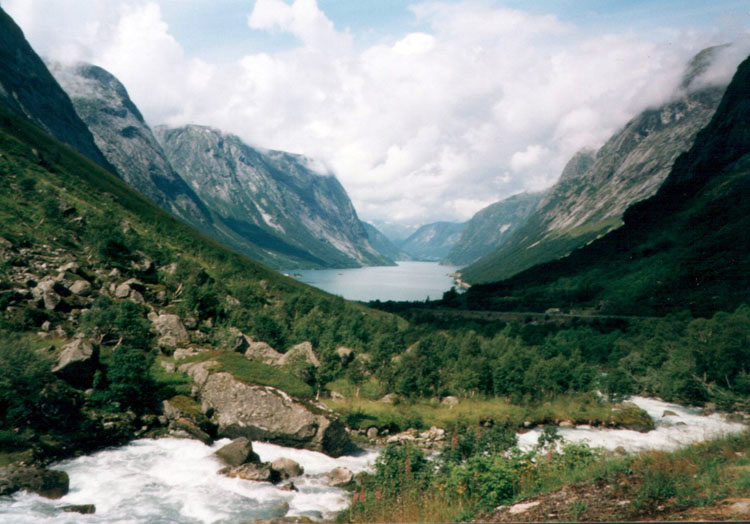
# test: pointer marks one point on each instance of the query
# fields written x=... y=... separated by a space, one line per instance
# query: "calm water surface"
x=406 y=281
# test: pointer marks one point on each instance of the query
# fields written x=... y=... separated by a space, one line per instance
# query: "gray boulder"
x=77 y=363
x=48 y=291
x=287 y=468
x=260 y=472
x=171 y=330
x=340 y=476
x=82 y=288
x=266 y=413
x=238 y=452
x=300 y=353
x=262 y=352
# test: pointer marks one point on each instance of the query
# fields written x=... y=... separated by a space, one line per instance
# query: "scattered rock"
x=83 y=509
x=45 y=482
x=171 y=330
x=302 y=352
x=566 y=424
x=517 y=509
x=261 y=472
x=338 y=397
x=390 y=398
x=340 y=476
x=48 y=292
x=77 y=363
x=450 y=401
x=262 y=352
x=238 y=452
x=183 y=353
x=669 y=413
x=372 y=433
x=82 y=288
x=344 y=353
x=287 y=468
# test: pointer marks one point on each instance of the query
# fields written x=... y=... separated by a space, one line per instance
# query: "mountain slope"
x=28 y=89
x=381 y=243
x=123 y=136
x=686 y=247
x=489 y=228
x=272 y=198
x=432 y=242
x=584 y=205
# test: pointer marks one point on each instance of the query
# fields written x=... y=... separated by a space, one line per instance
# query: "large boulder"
x=45 y=482
x=48 y=291
x=238 y=452
x=259 y=472
x=77 y=363
x=81 y=288
x=171 y=330
x=340 y=476
x=266 y=413
x=262 y=352
x=300 y=353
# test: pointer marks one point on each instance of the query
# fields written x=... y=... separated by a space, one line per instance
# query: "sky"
x=425 y=111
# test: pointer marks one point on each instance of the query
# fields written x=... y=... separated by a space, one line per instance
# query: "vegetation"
x=480 y=469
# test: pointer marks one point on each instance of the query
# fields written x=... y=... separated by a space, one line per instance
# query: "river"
x=405 y=281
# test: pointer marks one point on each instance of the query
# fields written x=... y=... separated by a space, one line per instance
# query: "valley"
x=194 y=328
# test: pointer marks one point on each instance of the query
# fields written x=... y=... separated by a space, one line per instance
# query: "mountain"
x=384 y=246
x=592 y=194
x=128 y=143
x=28 y=89
x=489 y=228
x=123 y=136
x=273 y=198
x=432 y=242
x=686 y=247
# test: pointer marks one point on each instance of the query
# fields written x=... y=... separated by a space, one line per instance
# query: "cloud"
x=482 y=102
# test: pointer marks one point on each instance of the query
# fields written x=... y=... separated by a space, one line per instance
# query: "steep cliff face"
x=593 y=193
x=28 y=89
x=275 y=199
x=123 y=136
x=491 y=227
x=433 y=242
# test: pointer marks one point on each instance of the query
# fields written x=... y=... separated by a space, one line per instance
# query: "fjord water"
x=405 y=281
x=176 y=480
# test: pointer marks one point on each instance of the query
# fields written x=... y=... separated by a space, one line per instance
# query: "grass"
x=372 y=389
x=254 y=372
x=580 y=409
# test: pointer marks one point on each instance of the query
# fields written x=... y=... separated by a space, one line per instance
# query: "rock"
x=82 y=288
x=434 y=433
x=400 y=438
x=46 y=326
x=183 y=353
x=390 y=398
x=241 y=344
x=198 y=371
x=45 y=482
x=261 y=472
x=77 y=363
x=338 y=397
x=71 y=267
x=83 y=509
x=171 y=330
x=287 y=468
x=266 y=413
x=669 y=413
x=517 y=509
x=48 y=292
x=302 y=352
x=283 y=520
x=450 y=401
x=339 y=476
x=127 y=288
x=262 y=352
x=169 y=367
x=238 y=452
x=289 y=486
x=122 y=291
x=136 y=297
x=620 y=450
x=372 y=433
x=344 y=353
x=185 y=428
x=566 y=424
x=527 y=424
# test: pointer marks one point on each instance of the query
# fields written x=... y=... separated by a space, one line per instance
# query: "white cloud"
x=481 y=103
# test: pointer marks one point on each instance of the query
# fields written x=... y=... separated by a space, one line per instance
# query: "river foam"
x=176 y=481
x=686 y=426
